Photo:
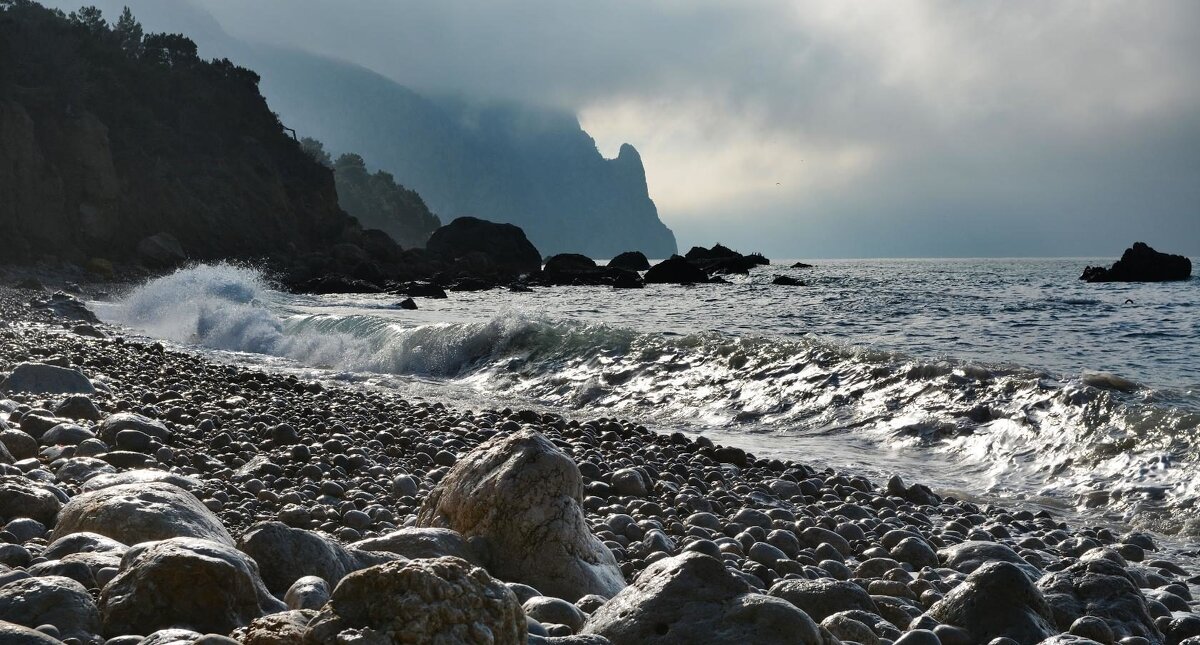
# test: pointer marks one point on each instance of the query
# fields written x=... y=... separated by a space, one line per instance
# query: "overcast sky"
x=831 y=128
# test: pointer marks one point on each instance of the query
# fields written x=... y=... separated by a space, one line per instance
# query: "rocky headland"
x=152 y=496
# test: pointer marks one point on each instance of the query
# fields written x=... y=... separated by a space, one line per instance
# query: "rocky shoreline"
x=152 y=496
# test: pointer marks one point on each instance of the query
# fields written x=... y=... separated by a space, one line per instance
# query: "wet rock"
x=997 y=600
x=675 y=270
x=132 y=513
x=184 y=582
x=519 y=498
x=823 y=597
x=968 y=556
x=917 y=493
x=115 y=423
x=51 y=600
x=630 y=261
x=415 y=542
x=285 y=554
x=692 y=598
x=445 y=600
x=1102 y=588
x=39 y=378
x=19 y=497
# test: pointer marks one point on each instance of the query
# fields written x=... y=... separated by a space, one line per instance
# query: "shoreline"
x=227 y=431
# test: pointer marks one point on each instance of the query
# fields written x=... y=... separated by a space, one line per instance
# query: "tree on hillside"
x=129 y=32
x=375 y=199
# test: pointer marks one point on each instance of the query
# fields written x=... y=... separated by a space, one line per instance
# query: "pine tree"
x=129 y=32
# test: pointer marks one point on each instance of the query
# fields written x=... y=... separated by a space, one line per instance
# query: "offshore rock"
x=1140 y=263
x=504 y=245
x=518 y=499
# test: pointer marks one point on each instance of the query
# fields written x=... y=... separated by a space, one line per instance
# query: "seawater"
x=990 y=379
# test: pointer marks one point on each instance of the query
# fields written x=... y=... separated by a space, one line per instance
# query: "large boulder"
x=1140 y=263
x=997 y=600
x=115 y=423
x=420 y=542
x=824 y=597
x=285 y=554
x=966 y=557
x=630 y=261
x=693 y=598
x=186 y=583
x=518 y=499
x=675 y=270
x=21 y=497
x=510 y=252
x=47 y=379
x=1100 y=587
x=51 y=600
x=440 y=601
x=132 y=513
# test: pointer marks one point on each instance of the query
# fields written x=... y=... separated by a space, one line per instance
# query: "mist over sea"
x=991 y=379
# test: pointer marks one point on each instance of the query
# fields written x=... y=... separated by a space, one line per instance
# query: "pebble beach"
x=155 y=496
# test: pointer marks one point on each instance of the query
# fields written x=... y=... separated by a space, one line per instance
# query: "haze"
x=823 y=129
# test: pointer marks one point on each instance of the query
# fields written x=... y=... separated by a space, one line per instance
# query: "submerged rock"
x=692 y=598
x=420 y=601
x=518 y=499
x=1140 y=263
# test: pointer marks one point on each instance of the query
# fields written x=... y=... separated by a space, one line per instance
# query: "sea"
x=995 y=380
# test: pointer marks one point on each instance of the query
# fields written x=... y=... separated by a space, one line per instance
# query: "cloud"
x=831 y=127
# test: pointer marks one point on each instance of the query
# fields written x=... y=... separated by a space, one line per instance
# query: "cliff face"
x=104 y=142
x=505 y=163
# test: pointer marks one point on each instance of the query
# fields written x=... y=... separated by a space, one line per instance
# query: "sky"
x=836 y=128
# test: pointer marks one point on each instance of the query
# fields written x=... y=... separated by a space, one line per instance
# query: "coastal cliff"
x=108 y=137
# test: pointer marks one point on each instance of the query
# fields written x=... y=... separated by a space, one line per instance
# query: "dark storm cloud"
x=826 y=128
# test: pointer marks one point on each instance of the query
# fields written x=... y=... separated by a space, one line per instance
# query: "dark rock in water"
x=578 y=270
x=675 y=270
x=520 y=496
x=422 y=290
x=997 y=600
x=336 y=284
x=630 y=261
x=787 y=281
x=1140 y=263
x=161 y=250
x=510 y=252
x=472 y=284
x=723 y=260
x=446 y=600
x=693 y=598
x=917 y=493
x=717 y=252
x=802 y=265
x=569 y=263
x=407 y=303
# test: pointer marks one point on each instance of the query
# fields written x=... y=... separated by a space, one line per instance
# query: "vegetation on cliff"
x=109 y=135
x=375 y=199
